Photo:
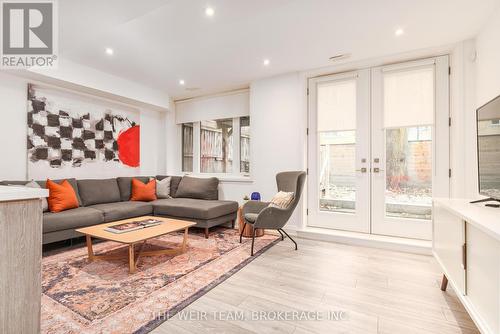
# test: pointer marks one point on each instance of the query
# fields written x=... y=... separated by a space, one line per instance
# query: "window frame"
x=235 y=174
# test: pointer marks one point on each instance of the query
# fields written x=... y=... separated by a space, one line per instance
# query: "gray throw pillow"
x=33 y=184
x=163 y=187
x=199 y=188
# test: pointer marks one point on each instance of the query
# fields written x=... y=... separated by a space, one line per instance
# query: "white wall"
x=488 y=60
x=13 y=127
x=475 y=81
x=278 y=129
x=462 y=133
x=13 y=132
x=153 y=145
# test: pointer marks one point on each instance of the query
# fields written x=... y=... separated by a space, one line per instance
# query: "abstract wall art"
x=73 y=135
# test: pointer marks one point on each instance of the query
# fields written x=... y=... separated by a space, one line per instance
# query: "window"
x=187 y=147
x=216 y=146
x=419 y=133
x=245 y=145
x=220 y=146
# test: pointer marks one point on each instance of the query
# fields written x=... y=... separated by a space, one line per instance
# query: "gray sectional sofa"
x=107 y=200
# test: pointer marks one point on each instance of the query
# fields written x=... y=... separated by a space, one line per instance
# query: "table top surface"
x=169 y=225
x=484 y=218
x=17 y=193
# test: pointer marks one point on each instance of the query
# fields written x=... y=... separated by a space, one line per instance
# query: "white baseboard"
x=362 y=239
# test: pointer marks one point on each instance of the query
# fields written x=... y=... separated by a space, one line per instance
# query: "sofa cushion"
x=125 y=185
x=199 y=188
x=62 y=196
x=98 y=191
x=143 y=192
x=174 y=183
x=71 y=219
x=71 y=181
x=163 y=187
x=123 y=210
x=194 y=208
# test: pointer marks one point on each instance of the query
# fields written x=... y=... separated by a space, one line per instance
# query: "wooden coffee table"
x=134 y=237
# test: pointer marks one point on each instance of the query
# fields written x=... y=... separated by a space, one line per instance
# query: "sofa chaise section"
x=206 y=213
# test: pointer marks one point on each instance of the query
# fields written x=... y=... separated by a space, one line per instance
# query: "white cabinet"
x=466 y=244
x=448 y=245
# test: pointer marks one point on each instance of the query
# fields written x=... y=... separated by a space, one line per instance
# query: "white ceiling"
x=158 y=42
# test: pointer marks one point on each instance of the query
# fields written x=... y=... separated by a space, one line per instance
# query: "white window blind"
x=231 y=105
x=409 y=97
x=336 y=105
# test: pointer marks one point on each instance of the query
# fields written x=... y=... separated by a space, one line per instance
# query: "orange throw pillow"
x=143 y=192
x=61 y=196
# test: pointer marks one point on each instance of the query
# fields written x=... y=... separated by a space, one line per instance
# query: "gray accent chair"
x=261 y=215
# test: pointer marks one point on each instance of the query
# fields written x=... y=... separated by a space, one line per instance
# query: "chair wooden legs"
x=253 y=239
x=290 y=238
x=242 y=230
x=232 y=223
x=206 y=232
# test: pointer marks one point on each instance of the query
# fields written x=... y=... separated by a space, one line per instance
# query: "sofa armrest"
x=253 y=207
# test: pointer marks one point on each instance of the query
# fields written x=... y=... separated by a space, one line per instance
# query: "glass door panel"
x=408 y=192
x=337 y=171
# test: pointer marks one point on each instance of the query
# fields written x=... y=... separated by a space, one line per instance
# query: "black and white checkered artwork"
x=68 y=138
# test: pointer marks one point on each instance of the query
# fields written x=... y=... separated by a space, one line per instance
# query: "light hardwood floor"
x=380 y=291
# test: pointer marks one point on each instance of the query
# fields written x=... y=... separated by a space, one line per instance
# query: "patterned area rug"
x=102 y=297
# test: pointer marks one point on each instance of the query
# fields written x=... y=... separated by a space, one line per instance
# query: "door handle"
x=362 y=170
x=377 y=170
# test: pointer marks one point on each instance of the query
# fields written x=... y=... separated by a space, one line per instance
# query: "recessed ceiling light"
x=109 y=51
x=399 y=32
x=266 y=62
x=182 y=82
x=209 y=11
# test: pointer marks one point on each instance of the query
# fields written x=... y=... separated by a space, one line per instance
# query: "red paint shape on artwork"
x=129 y=146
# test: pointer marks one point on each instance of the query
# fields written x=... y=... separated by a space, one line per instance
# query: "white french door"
x=339 y=151
x=379 y=148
